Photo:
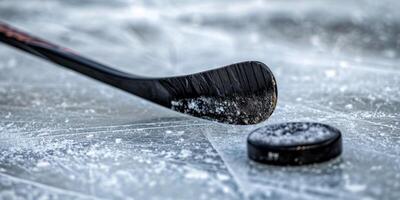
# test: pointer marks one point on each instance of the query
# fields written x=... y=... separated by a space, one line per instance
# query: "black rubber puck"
x=294 y=143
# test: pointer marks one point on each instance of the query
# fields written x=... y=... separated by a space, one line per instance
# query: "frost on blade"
x=250 y=109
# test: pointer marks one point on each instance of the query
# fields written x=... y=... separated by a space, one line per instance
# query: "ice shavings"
x=240 y=109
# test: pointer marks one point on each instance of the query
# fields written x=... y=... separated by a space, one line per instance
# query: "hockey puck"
x=294 y=143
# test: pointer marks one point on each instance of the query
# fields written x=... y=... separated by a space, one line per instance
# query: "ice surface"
x=63 y=136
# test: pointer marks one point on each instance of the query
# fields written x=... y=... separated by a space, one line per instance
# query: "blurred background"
x=176 y=36
x=335 y=62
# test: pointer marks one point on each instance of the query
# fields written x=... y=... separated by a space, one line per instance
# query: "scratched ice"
x=63 y=136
